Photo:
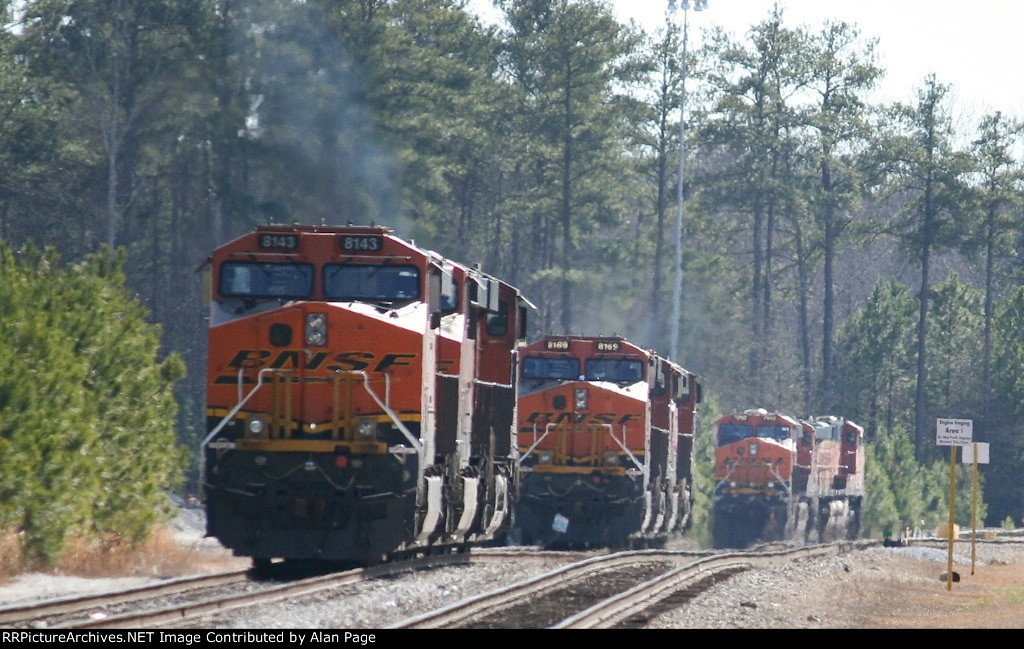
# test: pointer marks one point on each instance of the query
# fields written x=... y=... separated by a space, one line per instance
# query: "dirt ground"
x=916 y=597
x=879 y=588
x=894 y=588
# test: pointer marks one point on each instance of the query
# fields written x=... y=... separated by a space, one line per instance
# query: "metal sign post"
x=952 y=433
x=976 y=453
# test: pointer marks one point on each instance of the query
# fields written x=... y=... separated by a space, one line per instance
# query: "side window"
x=682 y=387
x=497 y=323
x=658 y=388
x=449 y=293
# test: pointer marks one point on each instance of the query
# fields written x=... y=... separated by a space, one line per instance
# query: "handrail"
x=416 y=444
x=238 y=406
x=611 y=433
x=231 y=414
x=547 y=430
x=622 y=444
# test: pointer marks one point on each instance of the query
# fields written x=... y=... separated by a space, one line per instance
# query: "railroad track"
x=189 y=598
x=55 y=613
x=593 y=591
x=603 y=592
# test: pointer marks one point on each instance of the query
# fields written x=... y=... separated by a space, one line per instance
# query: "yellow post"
x=974 y=506
x=952 y=505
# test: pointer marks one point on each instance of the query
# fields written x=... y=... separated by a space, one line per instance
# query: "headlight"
x=545 y=457
x=580 y=399
x=366 y=428
x=316 y=329
x=256 y=425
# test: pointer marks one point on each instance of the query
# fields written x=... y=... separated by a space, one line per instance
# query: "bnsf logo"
x=539 y=417
x=290 y=359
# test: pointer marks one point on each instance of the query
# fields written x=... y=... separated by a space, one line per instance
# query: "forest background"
x=838 y=256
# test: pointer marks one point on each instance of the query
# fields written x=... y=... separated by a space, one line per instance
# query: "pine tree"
x=87 y=438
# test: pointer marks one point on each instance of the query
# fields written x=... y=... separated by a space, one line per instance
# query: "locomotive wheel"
x=853 y=519
x=801 y=524
x=774 y=528
x=684 y=510
x=826 y=524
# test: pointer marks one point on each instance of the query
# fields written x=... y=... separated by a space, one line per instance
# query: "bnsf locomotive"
x=782 y=478
x=360 y=399
x=606 y=448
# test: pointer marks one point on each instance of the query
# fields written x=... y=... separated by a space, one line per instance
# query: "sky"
x=974 y=46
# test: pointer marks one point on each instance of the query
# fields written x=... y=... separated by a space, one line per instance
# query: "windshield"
x=376 y=283
x=537 y=367
x=619 y=370
x=774 y=431
x=730 y=433
x=266 y=279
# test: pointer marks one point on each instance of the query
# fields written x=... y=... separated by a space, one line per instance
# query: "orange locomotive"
x=360 y=397
x=606 y=444
x=778 y=477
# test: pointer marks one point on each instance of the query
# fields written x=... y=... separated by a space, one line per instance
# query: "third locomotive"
x=782 y=478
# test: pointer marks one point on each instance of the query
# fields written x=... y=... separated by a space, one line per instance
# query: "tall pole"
x=677 y=291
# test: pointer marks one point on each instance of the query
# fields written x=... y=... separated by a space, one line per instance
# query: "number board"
x=607 y=347
x=282 y=241
x=361 y=243
x=557 y=344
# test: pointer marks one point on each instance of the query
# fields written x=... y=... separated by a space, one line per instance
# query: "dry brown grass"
x=160 y=556
x=10 y=556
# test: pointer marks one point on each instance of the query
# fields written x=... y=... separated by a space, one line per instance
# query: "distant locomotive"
x=782 y=478
x=360 y=398
x=606 y=447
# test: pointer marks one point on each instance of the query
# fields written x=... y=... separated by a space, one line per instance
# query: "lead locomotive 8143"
x=360 y=397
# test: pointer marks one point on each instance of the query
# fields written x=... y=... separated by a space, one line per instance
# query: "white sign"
x=954 y=432
x=560 y=524
x=968 y=452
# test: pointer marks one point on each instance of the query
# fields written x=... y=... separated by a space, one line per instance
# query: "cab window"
x=265 y=279
x=371 y=282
